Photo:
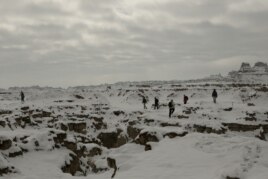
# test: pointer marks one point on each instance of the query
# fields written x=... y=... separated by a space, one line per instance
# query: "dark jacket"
x=214 y=94
x=144 y=100
x=171 y=105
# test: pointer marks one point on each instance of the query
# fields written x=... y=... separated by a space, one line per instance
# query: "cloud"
x=100 y=41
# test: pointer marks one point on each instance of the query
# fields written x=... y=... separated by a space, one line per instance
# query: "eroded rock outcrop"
x=113 y=139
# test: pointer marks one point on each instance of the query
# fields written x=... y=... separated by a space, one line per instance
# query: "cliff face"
x=257 y=73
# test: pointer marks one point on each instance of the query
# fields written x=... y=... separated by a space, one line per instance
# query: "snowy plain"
x=226 y=140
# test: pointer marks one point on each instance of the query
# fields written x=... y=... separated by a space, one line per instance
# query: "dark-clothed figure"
x=156 y=103
x=171 y=106
x=185 y=99
x=22 y=96
x=214 y=95
x=144 y=101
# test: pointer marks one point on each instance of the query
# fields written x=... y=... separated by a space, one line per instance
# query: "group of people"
x=171 y=104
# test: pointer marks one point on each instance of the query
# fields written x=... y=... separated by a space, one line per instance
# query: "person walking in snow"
x=185 y=99
x=22 y=96
x=214 y=95
x=144 y=101
x=156 y=103
x=171 y=106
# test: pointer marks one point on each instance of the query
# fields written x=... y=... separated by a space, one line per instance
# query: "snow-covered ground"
x=69 y=133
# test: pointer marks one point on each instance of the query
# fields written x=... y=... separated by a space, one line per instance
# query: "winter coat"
x=171 y=105
x=214 y=94
x=144 y=100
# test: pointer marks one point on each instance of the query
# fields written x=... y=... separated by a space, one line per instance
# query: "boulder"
x=71 y=145
x=167 y=124
x=16 y=152
x=23 y=120
x=98 y=123
x=147 y=147
x=175 y=134
x=206 y=129
x=228 y=109
x=79 y=127
x=5 y=143
x=3 y=123
x=112 y=139
x=94 y=151
x=133 y=131
x=60 y=137
x=96 y=119
x=228 y=177
x=25 y=108
x=78 y=96
x=117 y=113
x=4 y=112
x=145 y=137
x=72 y=166
x=251 y=104
x=241 y=127
x=42 y=114
x=5 y=166
x=182 y=117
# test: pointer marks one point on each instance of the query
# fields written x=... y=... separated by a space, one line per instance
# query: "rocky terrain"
x=92 y=131
x=251 y=74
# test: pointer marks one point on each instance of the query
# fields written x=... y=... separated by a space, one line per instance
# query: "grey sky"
x=83 y=42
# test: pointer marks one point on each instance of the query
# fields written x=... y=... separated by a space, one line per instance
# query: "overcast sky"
x=82 y=42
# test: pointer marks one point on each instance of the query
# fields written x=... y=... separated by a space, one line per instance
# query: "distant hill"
x=257 y=73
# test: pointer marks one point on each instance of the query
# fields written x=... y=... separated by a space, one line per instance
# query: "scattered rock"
x=15 y=154
x=25 y=108
x=60 y=137
x=112 y=139
x=6 y=170
x=71 y=145
x=78 y=96
x=72 y=166
x=5 y=143
x=94 y=151
x=23 y=120
x=133 y=131
x=148 y=147
x=98 y=123
x=4 y=112
x=251 y=104
x=250 y=119
x=232 y=177
x=250 y=116
x=145 y=137
x=42 y=114
x=149 y=121
x=182 y=117
x=206 y=129
x=117 y=113
x=175 y=134
x=3 y=123
x=97 y=119
x=241 y=127
x=166 y=124
x=228 y=109
x=79 y=127
x=190 y=110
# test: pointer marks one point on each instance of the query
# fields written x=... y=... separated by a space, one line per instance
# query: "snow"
x=194 y=156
